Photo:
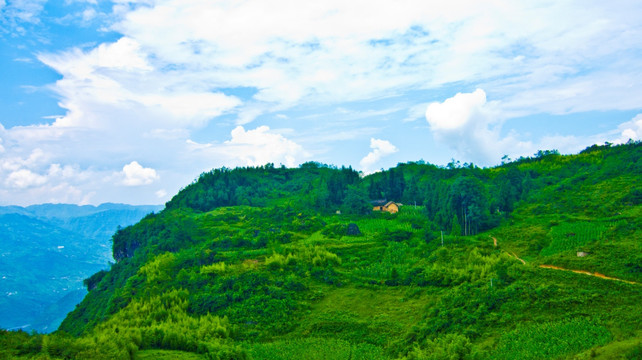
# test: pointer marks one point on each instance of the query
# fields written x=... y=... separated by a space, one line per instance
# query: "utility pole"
x=442 y=238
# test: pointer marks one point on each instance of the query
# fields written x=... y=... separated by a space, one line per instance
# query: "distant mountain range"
x=46 y=251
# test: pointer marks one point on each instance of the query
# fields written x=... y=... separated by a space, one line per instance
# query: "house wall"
x=392 y=208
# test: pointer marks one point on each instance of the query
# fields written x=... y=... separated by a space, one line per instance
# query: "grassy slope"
x=295 y=286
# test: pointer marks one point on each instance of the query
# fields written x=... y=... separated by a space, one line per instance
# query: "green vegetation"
x=573 y=236
x=551 y=339
x=257 y=263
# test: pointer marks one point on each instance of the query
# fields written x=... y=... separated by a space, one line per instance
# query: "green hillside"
x=540 y=258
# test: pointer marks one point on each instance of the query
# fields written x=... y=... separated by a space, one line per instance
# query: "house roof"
x=384 y=202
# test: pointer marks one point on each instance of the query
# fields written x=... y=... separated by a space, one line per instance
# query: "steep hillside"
x=47 y=251
x=267 y=263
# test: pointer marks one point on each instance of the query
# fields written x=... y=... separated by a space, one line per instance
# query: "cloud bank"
x=184 y=86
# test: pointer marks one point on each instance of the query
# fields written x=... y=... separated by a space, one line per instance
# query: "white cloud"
x=249 y=148
x=167 y=134
x=88 y=14
x=177 y=59
x=248 y=115
x=380 y=149
x=27 y=11
x=338 y=51
x=470 y=126
x=457 y=112
x=136 y=175
x=24 y=178
x=118 y=77
x=14 y=162
x=48 y=192
x=160 y=193
x=64 y=172
x=188 y=69
x=261 y=146
x=631 y=130
x=416 y=112
x=53 y=164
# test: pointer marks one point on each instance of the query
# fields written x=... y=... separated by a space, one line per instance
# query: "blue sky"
x=128 y=101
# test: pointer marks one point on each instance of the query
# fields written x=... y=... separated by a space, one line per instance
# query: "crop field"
x=572 y=236
x=551 y=340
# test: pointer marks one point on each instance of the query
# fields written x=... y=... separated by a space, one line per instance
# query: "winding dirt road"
x=583 y=272
x=596 y=274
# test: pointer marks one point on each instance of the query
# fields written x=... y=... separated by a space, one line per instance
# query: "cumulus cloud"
x=24 y=178
x=254 y=147
x=52 y=164
x=380 y=149
x=470 y=126
x=261 y=146
x=118 y=78
x=630 y=130
x=30 y=178
x=458 y=112
x=136 y=175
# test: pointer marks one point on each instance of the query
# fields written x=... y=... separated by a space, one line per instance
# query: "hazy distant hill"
x=46 y=251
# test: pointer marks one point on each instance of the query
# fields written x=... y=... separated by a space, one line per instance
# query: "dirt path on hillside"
x=518 y=258
x=596 y=274
x=584 y=272
x=511 y=254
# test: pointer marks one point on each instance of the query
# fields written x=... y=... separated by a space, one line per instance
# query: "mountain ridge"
x=257 y=263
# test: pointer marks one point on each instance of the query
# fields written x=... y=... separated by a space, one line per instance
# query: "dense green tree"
x=469 y=202
x=456 y=227
x=412 y=194
x=356 y=201
x=396 y=184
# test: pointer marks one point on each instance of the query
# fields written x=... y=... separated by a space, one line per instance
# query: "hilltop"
x=258 y=263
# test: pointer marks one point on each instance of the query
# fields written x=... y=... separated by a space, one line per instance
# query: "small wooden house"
x=389 y=206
